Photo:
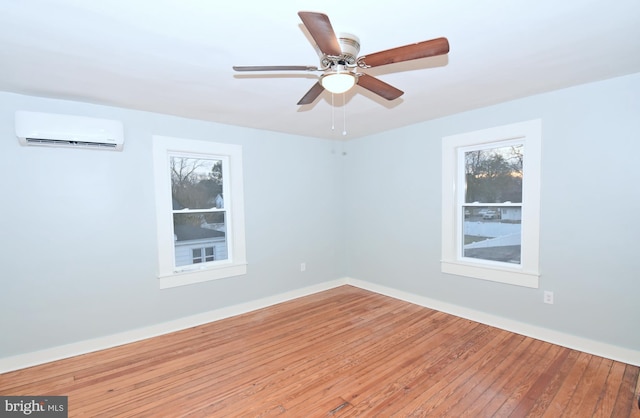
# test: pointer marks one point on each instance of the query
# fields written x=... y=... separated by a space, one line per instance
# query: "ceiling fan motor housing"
x=350 y=46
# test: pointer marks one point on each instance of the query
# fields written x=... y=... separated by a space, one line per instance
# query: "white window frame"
x=527 y=273
x=236 y=263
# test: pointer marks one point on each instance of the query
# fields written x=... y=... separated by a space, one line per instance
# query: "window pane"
x=208 y=254
x=196 y=183
x=492 y=233
x=194 y=231
x=494 y=175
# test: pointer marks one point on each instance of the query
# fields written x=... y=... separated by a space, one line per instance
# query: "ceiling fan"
x=341 y=64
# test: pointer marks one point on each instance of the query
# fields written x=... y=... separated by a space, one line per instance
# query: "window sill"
x=198 y=276
x=508 y=276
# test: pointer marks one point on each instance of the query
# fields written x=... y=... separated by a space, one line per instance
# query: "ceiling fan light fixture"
x=338 y=82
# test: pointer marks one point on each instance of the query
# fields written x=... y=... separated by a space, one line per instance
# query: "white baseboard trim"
x=613 y=352
x=22 y=361
x=597 y=348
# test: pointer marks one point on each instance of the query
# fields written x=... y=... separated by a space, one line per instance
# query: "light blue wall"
x=78 y=249
x=590 y=211
x=78 y=246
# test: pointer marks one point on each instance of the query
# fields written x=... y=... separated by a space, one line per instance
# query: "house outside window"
x=490 y=204
x=200 y=210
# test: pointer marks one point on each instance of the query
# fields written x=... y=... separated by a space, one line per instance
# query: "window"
x=198 y=257
x=199 y=210
x=490 y=204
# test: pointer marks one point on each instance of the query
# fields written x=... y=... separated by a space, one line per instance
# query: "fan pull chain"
x=344 y=115
x=333 y=115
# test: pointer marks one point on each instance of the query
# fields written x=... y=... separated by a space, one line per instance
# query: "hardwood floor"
x=345 y=352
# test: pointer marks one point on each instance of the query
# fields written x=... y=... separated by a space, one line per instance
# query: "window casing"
x=491 y=204
x=199 y=210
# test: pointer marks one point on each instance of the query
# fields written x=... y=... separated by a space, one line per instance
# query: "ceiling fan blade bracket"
x=360 y=63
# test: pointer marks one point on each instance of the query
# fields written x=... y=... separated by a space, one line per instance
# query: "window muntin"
x=473 y=244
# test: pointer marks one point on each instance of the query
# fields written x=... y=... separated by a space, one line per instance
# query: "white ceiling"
x=175 y=56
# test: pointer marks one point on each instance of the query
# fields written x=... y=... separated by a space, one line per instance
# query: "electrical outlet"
x=303 y=266
x=548 y=297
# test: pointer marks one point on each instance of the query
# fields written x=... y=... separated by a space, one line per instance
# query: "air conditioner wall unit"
x=56 y=130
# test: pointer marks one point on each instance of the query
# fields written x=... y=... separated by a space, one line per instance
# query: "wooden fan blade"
x=379 y=87
x=321 y=31
x=312 y=94
x=438 y=46
x=274 y=68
